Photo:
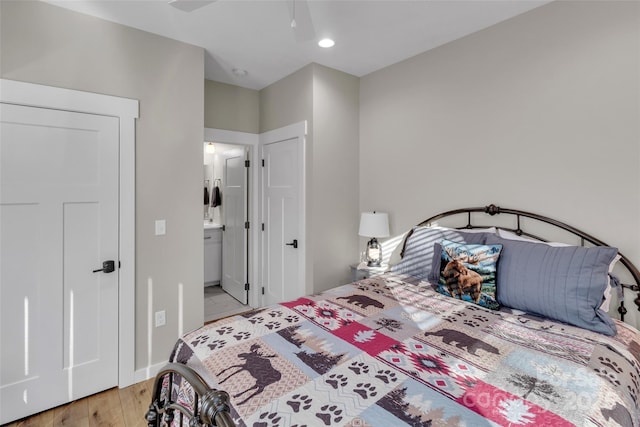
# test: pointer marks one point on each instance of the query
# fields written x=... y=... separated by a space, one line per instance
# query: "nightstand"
x=365 y=272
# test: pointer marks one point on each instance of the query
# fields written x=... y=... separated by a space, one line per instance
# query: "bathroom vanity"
x=212 y=253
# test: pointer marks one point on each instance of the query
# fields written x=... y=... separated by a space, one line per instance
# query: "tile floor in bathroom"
x=219 y=304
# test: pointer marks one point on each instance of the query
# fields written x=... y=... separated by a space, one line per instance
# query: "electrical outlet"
x=161 y=227
x=161 y=318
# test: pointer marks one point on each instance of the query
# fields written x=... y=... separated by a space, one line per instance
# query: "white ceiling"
x=256 y=35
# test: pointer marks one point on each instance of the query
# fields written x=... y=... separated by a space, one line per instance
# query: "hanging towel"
x=216 y=198
x=206 y=196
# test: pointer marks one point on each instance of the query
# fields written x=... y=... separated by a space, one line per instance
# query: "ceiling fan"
x=301 y=22
x=190 y=5
x=299 y=15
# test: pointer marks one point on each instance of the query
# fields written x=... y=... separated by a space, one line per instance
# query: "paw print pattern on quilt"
x=330 y=414
x=268 y=419
x=386 y=376
x=365 y=390
x=359 y=367
x=224 y=330
x=273 y=325
x=200 y=339
x=300 y=402
x=610 y=370
x=216 y=344
x=471 y=323
x=203 y=342
x=256 y=320
x=242 y=336
x=292 y=318
x=336 y=380
x=633 y=387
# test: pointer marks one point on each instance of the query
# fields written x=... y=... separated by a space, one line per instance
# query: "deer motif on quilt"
x=258 y=365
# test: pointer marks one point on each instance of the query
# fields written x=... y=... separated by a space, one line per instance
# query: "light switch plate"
x=161 y=227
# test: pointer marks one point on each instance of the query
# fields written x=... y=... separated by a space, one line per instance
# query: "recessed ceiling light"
x=326 y=43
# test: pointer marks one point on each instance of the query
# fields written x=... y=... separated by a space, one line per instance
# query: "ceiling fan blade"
x=190 y=5
x=301 y=22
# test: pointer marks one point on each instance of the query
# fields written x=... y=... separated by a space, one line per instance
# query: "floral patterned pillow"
x=468 y=272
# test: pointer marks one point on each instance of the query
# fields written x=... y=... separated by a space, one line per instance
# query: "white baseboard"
x=148 y=372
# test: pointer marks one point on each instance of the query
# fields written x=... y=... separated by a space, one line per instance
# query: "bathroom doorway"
x=227 y=240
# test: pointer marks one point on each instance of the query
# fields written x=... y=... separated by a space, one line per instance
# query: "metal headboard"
x=584 y=237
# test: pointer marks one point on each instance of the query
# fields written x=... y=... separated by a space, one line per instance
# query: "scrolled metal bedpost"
x=152 y=415
x=214 y=404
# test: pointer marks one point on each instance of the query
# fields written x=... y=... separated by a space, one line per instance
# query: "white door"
x=58 y=223
x=283 y=241
x=234 y=236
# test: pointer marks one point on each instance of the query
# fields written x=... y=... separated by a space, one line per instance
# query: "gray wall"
x=288 y=101
x=334 y=193
x=285 y=102
x=49 y=45
x=231 y=107
x=539 y=113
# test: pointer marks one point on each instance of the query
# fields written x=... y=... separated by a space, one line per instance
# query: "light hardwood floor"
x=114 y=407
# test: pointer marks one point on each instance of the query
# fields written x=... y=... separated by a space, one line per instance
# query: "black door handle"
x=107 y=267
x=294 y=244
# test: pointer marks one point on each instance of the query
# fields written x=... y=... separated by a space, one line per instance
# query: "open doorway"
x=257 y=264
x=225 y=216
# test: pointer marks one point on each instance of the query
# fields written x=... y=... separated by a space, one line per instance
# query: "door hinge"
x=262 y=162
x=263 y=290
x=119 y=264
x=263 y=226
x=246 y=286
x=224 y=227
x=246 y=225
x=247 y=163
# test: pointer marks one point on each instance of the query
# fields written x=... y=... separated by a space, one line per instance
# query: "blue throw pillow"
x=561 y=283
x=418 y=253
x=468 y=272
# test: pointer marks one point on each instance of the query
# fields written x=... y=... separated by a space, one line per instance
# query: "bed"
x=455 y=334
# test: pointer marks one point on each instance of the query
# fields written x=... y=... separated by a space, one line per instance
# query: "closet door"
x=282 y=212
x=58 y=223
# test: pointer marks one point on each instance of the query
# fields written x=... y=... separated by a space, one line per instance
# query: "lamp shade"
x=374 y=224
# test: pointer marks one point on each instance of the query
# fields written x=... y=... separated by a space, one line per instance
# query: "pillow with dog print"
x=468 y=272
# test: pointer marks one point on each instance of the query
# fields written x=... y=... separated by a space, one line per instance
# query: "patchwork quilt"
x=389 y=351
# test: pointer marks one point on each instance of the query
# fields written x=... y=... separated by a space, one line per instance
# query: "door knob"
x=107 y=267
x=294 y=244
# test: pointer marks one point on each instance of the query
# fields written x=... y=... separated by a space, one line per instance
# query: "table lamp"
x=374 y=224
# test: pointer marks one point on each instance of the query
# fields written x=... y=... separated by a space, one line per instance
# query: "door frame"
x=255 y=142
x=299 y=131
x=250 y=140
x=127 y=111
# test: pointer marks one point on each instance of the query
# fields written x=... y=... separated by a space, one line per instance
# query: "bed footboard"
x=209 y=407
